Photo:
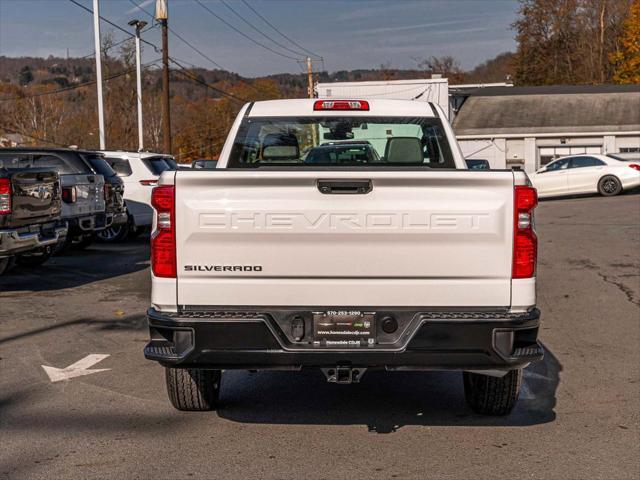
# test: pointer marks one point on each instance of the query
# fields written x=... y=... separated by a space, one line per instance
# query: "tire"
x=193 y=389
x=609 y=186
x=492 y=395
x=36 y=259
x=113 y=234
x=135 y=232
x=5 y=264
x=82 y=242
x=62 y=247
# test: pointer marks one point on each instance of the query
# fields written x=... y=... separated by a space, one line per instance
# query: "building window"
x=630 y=150
x=548 y=154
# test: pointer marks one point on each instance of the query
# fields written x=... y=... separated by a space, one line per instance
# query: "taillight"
x=69 y=194
x=341 y=105
x=163 y=239
x=635 y=166
x=525 y=242
x=149 y=183
x=5 y=196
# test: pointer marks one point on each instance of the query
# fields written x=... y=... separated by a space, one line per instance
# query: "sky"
x=348 y=34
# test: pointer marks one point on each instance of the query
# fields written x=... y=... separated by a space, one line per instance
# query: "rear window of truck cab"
x=64 y=164
x=342 y=142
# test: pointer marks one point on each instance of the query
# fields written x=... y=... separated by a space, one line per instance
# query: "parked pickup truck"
x=30 y=204
x=83 y=192
x=115 y=208
x=403 y=260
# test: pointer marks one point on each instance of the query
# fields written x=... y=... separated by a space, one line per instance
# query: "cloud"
x=371 y=11
x=404 y=28
x=141 y=5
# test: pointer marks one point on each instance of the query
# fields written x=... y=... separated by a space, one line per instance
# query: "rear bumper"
x=119 y=218
x=255 y=339
x=89 y=223
x=25 y=239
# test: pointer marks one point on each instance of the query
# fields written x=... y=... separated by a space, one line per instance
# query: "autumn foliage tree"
x=626 y=59
x=201 y=114
x=567 y=41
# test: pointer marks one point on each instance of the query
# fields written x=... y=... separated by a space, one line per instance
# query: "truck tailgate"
x=36 y=196
x=89 y=194
x=418 y=238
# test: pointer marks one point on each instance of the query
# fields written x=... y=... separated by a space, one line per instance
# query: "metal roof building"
x=529 y=126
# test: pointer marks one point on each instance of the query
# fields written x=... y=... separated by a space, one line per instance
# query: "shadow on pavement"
x=129 y=322
x=79 y=267
x=384 y=402
x=28 y=426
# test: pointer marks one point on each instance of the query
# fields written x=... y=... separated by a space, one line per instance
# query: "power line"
x=177 y=35
x=40 y=139
x=237 y=30
x=185 y=72
x=92 y=54
x=193 y=47
x=157 y=50
x=235 y=12
x=74 y=87
x=278 y=31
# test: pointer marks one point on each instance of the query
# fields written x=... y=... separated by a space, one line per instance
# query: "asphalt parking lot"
x=578 y=416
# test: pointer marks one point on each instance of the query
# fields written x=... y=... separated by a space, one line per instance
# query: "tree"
x=25 y=76
x=626 y=59
x=544 y=32
x=446 y=65
x=567 y=41
x=497 y=69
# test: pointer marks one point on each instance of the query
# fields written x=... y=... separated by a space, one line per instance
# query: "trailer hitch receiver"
x=343 y=374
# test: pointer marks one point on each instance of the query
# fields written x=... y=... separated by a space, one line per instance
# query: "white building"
x=529 y=126
x=435 y=89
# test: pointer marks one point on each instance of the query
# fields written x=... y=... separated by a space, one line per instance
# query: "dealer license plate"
x=344 y=329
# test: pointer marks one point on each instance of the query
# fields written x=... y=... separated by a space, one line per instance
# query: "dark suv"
x=83 y=190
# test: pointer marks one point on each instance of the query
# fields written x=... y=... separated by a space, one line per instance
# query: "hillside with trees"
x=53 y=100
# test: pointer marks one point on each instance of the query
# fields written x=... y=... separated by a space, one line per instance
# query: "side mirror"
x=541 y=170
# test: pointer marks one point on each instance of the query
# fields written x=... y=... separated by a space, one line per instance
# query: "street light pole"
x=98 y=50
x=139 y=26
x=162 y=15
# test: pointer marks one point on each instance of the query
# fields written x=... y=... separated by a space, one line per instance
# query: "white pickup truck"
x=343 y=235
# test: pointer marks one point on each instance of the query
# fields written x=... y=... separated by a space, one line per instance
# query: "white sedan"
x=586 y=174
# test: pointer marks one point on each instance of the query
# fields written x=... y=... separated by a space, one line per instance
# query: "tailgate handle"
x=91 y=179
x=352 y=187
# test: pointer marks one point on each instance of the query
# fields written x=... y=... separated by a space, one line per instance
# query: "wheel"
x=35 y=259
x=5 y=264
x=193 y=389
x=135 y=232
x=608 y=186
x=492 y=395
x=113 y=234
x=83 y=241
x=62 y=246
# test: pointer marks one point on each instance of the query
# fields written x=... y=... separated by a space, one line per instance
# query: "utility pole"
x=98 y=50
x=310 y=91
x=310 y=78
x=139 y=24
x=162 y=15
